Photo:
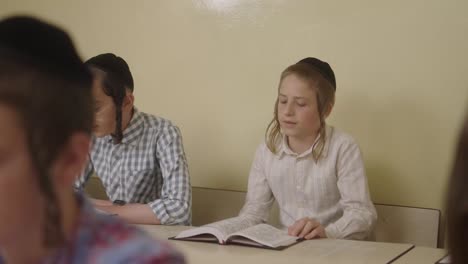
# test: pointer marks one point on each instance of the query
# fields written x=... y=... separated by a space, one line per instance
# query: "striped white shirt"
x=333 y=190
x=148 y=167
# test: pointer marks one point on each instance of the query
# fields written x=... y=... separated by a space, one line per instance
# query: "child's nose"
x=289 y=109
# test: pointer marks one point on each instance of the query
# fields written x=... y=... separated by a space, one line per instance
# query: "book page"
x=265 y=235
x=231 y=225
x=201 y=234
x=220 y=229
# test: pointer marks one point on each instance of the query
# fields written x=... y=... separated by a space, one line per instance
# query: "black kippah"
x=44 y=46
x=321 y=66
x=110 y=63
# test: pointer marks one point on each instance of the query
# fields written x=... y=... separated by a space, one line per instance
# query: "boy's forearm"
x=133 y=213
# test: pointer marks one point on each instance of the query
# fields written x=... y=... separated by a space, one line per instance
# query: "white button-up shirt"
x=332 y=190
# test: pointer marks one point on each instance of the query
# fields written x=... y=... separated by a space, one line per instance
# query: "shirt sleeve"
x=138 y=249
x=359 y=214
x=168 y=258
x=159 y=253
x=259 y=197
x=174 y=205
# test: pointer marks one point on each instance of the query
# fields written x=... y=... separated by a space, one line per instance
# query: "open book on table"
x=240 y=231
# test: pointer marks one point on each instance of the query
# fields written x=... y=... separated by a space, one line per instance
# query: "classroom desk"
x=312 y=251
x=422 y=255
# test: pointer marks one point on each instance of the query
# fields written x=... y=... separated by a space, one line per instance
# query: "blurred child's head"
x=46 y=113
x=457 y=202
x=113 y=94
x=306 y=96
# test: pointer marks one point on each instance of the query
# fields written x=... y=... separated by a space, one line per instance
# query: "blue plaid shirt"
x=148 y=167
x=102 y=239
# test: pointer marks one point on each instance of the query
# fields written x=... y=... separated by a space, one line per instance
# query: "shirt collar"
x=88 y=224
x=132 y=133
x=284 y=148
x=85 y=228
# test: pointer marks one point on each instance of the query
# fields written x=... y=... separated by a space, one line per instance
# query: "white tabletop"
x=312 y=251
x=422 y=255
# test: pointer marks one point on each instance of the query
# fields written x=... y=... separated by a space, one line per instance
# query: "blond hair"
x=325 y=93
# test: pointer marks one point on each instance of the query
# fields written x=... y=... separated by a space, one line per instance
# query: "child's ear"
x=71 y=160
x=128 y=100
x=329 y=109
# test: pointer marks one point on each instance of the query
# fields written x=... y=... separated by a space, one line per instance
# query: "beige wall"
x=212 y=66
